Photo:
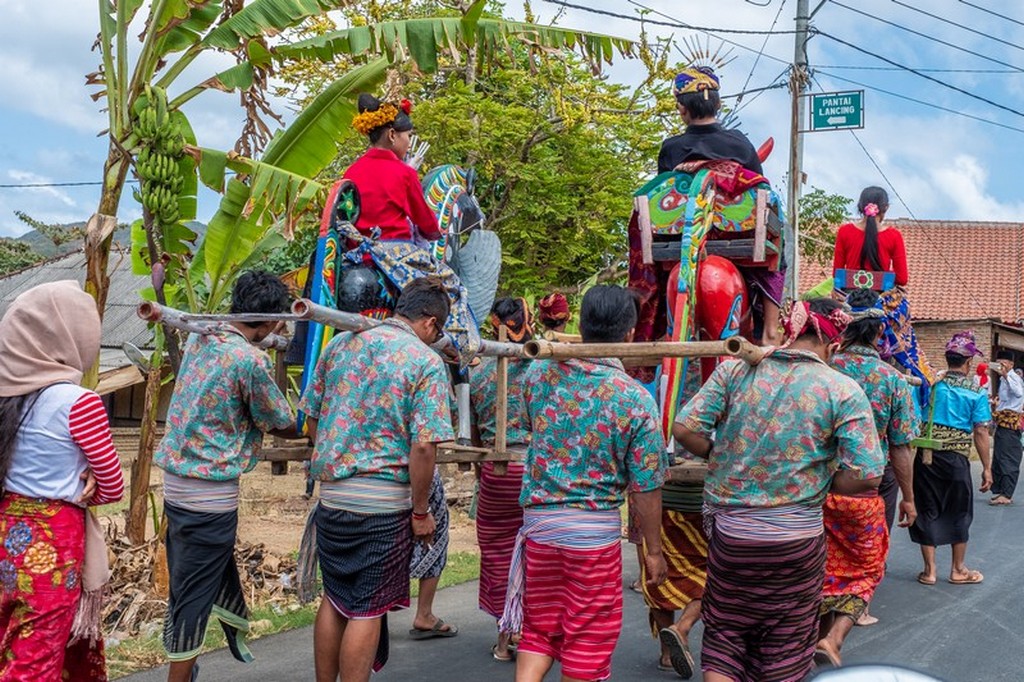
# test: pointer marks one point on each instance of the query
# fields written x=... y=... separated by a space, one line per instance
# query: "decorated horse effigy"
x=697 y=236
x=358 y=274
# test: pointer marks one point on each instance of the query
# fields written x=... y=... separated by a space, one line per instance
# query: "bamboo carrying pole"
x=352 y=322
x=501 y=407
x=194 y=323
x=736 y=347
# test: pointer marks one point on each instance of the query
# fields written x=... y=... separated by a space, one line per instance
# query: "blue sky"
x=944 y=166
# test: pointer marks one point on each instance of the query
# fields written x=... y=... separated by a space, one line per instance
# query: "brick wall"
x=932 y=336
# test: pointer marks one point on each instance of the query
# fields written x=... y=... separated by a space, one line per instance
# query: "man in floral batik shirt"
x=224 y=400
x=594 y=439
x=856 y=526
x=786 y=431
x=377 y=407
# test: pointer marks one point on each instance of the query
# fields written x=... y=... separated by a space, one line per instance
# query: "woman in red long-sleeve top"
x=866 y=246
x=395 y=221
x=390 y=194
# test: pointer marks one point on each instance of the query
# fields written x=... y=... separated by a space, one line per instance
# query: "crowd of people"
x=778 y=552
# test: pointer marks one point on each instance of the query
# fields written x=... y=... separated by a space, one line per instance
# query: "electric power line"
x=918 y=101
x=960 y=26
x=675 y=24
x=920 y=74
x=55 y=184
x=760 y=52
x=858 y=67
x=993 y=13
x=927 y=37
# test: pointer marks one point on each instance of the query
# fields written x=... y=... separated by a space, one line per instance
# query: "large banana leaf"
x=426 y=39
x=266 y=17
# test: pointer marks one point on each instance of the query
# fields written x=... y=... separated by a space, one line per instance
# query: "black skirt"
x=944 y=495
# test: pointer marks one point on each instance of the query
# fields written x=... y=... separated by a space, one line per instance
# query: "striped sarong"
x=857 y=542
x=429 y=562
x=364 y=561
x=498 y=520
x=685 y=547
x=573 y=607
x=204 y=581
x=760 y=607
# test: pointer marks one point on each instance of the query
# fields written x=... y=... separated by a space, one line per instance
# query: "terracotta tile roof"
x=958 y=270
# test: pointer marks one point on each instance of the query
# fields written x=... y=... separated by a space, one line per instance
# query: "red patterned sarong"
x=42 y=546
x=686 y=552
x=572 y=607
x=857 y=541
x=498 y=520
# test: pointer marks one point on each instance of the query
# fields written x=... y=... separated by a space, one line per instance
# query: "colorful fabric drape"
x=685 y=547
x=405 y=261
x=42 y=547
x=498 y=520
x=857 y=544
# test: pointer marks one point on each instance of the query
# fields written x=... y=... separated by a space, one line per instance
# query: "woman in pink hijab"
x=56 y=457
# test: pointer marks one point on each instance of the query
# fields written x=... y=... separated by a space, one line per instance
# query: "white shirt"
x=1011 y=392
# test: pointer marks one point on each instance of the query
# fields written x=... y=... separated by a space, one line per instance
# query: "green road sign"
x=837 y=110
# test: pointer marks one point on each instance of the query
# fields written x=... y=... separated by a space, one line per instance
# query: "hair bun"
x=862 y=298
x=367 y=102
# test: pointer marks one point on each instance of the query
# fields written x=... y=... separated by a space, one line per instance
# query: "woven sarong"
x=572 y=609
x=404 y=261
x=760 y=608
x=204 y=581
x=899 y=342
x=944 y=496
x=429 y=562
x=857 y=543
x=364 y=562
x=685 y=547
x=42 y=547
x=498 y=520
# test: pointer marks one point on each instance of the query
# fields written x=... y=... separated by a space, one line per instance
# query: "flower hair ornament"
x=368 y=121
x=871 y=210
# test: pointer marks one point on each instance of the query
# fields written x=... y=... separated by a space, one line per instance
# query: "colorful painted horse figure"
x=368 y=277
x=695 y=237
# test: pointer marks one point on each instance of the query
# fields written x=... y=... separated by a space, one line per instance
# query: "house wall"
x=932 y=336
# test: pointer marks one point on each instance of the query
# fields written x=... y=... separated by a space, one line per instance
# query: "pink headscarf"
x=50 y=334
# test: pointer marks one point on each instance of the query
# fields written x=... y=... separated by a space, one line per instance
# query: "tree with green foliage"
x=558 y=149
x=820 y=214
x=16 y=255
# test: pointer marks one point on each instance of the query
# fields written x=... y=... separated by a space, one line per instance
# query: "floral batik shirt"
x=595 y=436
x=225 y=399
x=781 y=429
x=888 y=392
x=374 y=394
x=483 y=385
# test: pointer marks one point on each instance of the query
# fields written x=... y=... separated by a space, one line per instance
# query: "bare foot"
x=866 y=619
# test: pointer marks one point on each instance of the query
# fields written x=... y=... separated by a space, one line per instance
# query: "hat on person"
x=696 y=79
x=963 y=344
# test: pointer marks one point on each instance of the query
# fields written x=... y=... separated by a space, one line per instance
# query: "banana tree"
x=149 y=134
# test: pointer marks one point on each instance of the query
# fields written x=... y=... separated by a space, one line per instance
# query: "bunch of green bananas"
x=160 y=149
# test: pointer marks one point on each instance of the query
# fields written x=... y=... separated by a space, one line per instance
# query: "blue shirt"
x=959 y=404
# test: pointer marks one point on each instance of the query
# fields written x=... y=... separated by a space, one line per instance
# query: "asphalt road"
x=955 y=632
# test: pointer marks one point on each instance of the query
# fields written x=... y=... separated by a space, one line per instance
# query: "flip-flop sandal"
x=636 y=586
x=665 y=668
x=973 y=578
x=436 y=631
x=923 y=580
x=678 y=652
x=504 y=659
x=824 y=659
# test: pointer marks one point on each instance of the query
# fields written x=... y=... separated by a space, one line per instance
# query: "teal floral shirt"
x=483 y=392
x=374 y=394
x=595 y=436
x=781 y=430
x=888 y=392
x=224 y=399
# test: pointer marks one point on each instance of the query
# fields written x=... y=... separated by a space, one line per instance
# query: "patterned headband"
x=699 y=79
x=801 y=318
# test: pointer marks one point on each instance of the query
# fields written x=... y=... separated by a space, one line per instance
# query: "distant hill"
x=42 y=245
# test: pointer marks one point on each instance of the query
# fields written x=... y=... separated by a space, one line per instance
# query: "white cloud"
x=30 y=178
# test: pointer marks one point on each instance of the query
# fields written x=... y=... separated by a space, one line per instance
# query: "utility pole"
x=798 y=81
